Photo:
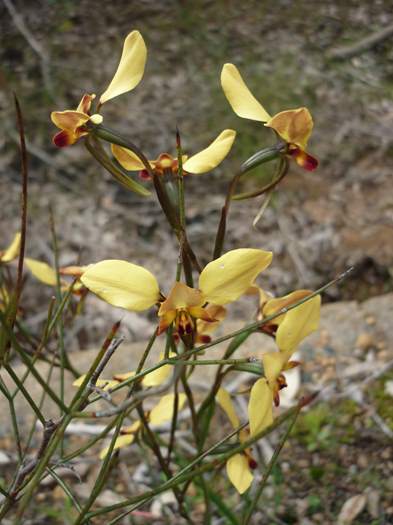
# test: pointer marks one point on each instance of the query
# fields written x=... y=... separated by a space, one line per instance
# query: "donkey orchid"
x=73 y=123
x=293 y=326
x=294 y=126
x=202 y=162
x=134 y=288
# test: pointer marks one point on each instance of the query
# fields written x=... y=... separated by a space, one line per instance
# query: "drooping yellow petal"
x=224 y=400
x=122 y=284
x=298 y=324
x=163 y=411
x=293 y=125
x=41 y=271
x=104 y=384
x=240 y=97
x=239 y=472
x=216 y=312
x=160 y=375
x=181 y=296
x=227 y=278
x=260 y=410
x=69 y=120
x=12 y=251
x=121 y=442
x=273 y=364
x=276 y=304
x=127 y=158
x=209 y=158
x=130 y=69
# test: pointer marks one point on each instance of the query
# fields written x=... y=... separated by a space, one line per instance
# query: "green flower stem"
x=185 y=474
x=269 y=469
x=278 y=177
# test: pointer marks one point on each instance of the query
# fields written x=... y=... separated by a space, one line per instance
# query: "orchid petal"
x=122 y=284
x=127 y=158
x=293 y=125
x=123 y=377
x=181 y=296
x=130 y=69
x=85 y=103
x=41 y=271
x=240 y=97
x=12 y=251
x=69 y=120
x=121 y=442
x=223 y=398
x=276 y=304
x=239 y=472
x=273 y=365
x=209 y=158
x=159 y=376
x=298 y=323
x=227 y=278
x=217 y=314
x=260 y=411
x=105 y=384
x=163 y=411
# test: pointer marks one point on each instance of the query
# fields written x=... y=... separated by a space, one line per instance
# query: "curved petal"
x=303 y=159
x=85 y=103
x=293 y=125
x=69 y=120
x=276 y=304
x=298 y=324
x=273 y=364
x=130 y=69
x=127 y=158
x=66 y=138
x=181 y=296
x=217 y=314
x=41 y=271
x=260 y=409
x=224 y=400
x=12 y=251
x=122 y=284
x=163 y=411
x=227 y=278
x=239 y=472
x=160 y=375
x=209 y=158
x=240 y=97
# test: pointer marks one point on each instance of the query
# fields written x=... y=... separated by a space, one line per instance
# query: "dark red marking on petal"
x=63 y=139
x=303 y=159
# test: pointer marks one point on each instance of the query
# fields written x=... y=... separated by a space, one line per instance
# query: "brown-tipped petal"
x=181 y=296
x=64 y=138
x=303 y=159
x=293 y=125
x=165 y=321
x=85 y=103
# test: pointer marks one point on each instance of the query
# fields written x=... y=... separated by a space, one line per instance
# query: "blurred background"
x=291 y=54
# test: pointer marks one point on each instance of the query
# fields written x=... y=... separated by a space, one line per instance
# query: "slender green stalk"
x=269 y=468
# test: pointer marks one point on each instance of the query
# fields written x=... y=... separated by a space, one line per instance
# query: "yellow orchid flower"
x=134 y=288
x=202 y=162
x=73 y=123
x=294 y=126
x=239 y=466
x=12 y=251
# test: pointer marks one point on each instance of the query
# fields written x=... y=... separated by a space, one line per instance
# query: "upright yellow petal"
x=207 y=159
x=127 y=158
x=12 y=251
x=298 y=324
x=293 y=125
x=227 y=278
x=240 y=97
x=41 y=271
x=160 y=375
x=181 y=296
x=224 y=400
x=260 y=410
x=130 y=69
x=163 y=411
x=122 y=284
x=239 y=472
x=121 y=442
